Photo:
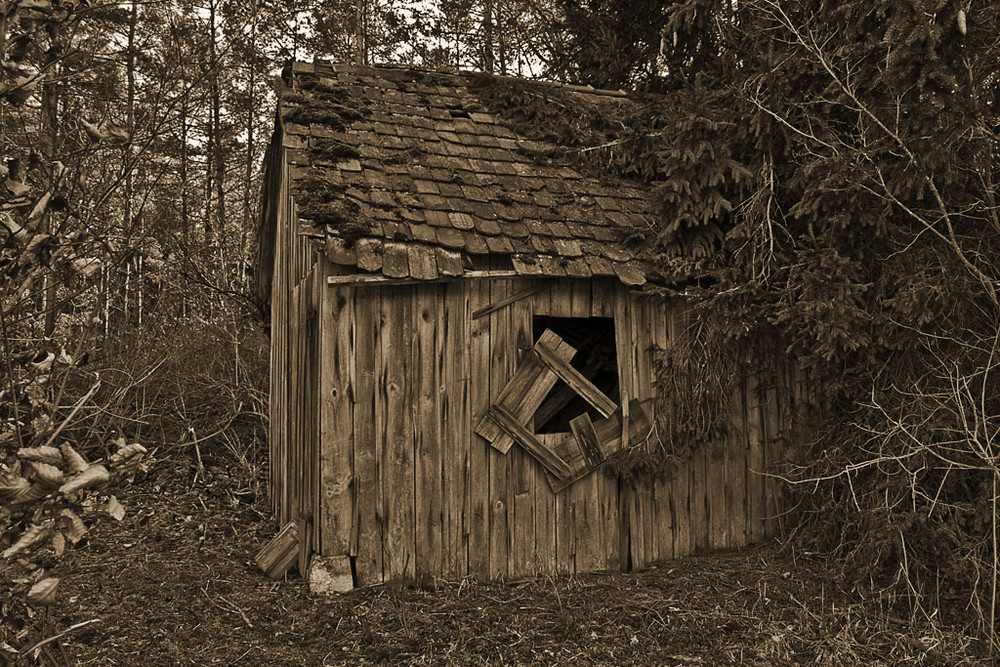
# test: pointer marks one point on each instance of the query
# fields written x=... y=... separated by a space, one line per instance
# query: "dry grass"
x=173 y=584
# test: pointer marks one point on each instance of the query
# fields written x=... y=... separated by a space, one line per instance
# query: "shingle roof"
x=404 y=172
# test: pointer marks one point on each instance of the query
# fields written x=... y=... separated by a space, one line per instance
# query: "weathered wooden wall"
x=407 y=487
x=295 y=293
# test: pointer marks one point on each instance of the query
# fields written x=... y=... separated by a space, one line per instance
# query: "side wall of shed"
x=295 y=292
x=408 y=487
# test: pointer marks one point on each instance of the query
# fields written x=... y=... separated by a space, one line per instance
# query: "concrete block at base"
x=330 y=574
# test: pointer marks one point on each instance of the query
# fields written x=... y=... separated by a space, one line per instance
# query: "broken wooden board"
x=551 y=461
x=609 y=435
x=278 y=555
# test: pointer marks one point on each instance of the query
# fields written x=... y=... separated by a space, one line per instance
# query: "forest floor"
x=173 y=584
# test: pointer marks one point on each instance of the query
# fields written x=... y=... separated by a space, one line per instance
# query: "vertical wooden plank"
x=736 y=464
x=662 y=487
x=397 y=455
x=642 y=388
x=368 y=541
x=602 y=297
x=583 y=499
x=644 y=340
x=580 y=298
x=545 y=523
x=614 y=556
x=523 y=476
x=634 y=529
x=561 y=298
x=503 y=359
x=291 y=414
x=630 y=493
x=298 y=403
x=314 y=415
x=770 y=412
x=626 y=351
x=717 y=483
x=755 y=461
x=425 y=350
x=787 y=403
x=454 y=388
x=480 y=357
x=680 y=480
x=336 y=455
x=699 y=499
x=309 y=422
x=565 y=538
x=381 y=390
x=544 y=500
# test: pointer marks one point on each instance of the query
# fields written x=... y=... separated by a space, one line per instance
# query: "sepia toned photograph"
x=499 y=332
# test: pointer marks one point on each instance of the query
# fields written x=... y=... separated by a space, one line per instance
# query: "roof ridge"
x=305 y=67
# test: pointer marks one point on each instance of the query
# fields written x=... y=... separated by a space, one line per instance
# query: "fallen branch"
x=60 y=635
x=76 y=408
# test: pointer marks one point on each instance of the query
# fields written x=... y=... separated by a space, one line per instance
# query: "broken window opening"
x=596 y=359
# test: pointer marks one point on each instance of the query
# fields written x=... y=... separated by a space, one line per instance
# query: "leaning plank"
x=278 y=555
x=506 y=421
x=503 y=303
x=586 y=437
x=576 y=380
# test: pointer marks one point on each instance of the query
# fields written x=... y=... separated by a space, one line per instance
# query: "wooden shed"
x=461 y=338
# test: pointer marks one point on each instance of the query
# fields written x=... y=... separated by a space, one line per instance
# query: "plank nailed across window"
x=542 y=454
x=609 y=434
x=575 y=379
x=525 y=392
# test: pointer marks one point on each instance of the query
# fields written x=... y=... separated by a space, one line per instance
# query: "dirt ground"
x=173 y=584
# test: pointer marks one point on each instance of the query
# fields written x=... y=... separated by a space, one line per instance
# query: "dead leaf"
x=33 y=534
x=16 y=188
x=43 y=593
x=76 y=462
x=49 y=455
x=115 y=509
x=76 y=528
x=58 y=542
x=93 y=476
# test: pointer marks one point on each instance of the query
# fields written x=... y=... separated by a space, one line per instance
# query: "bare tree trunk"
x=185 y=212
x=361 y=33
x=248 y=175
x=488 y=63
x=501 y=39
x=210 y=151
x=50 y=118
x=130 y=126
